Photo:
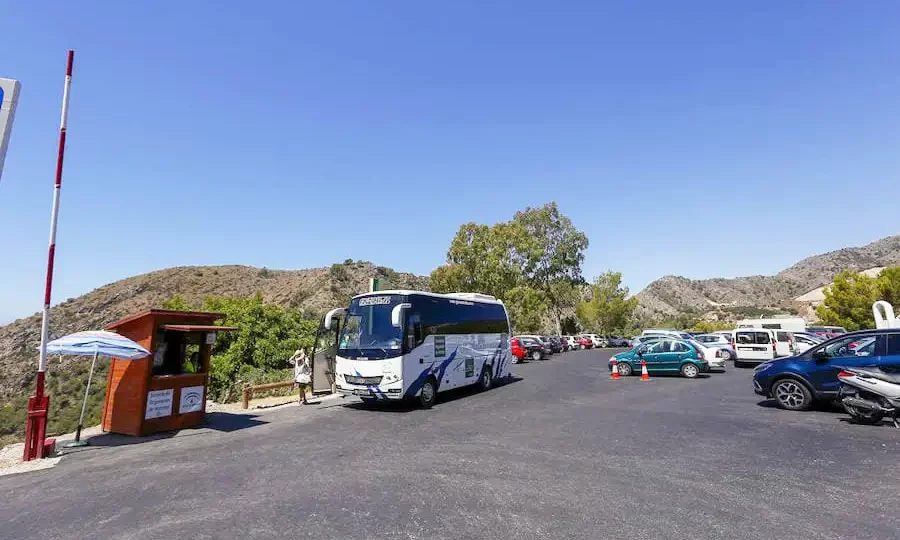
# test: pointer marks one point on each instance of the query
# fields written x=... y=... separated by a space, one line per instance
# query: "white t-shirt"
x=302 y=372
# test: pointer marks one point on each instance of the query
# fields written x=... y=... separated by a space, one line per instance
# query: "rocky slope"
x=726 y=298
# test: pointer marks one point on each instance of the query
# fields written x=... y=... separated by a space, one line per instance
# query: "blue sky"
x=295 y=134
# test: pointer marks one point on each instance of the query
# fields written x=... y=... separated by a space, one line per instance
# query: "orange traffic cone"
x=615 y=369
x=644 y=375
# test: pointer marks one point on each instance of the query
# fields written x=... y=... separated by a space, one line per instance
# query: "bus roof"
x=474 y=297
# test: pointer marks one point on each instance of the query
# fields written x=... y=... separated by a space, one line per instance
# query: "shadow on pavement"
x=216 y=421
x=818 y=406
x=406 y=406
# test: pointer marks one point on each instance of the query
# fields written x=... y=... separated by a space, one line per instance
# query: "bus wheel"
x=428 y=393
x=486 y=379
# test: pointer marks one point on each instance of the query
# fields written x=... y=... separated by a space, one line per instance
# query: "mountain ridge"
x=722 y=298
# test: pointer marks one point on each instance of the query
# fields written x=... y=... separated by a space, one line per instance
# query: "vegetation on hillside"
x=848 y=301
x=608 y=310
x=258 y=350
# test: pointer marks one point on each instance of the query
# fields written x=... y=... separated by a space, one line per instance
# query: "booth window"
x=178 y=353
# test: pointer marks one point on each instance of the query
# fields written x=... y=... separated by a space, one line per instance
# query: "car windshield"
x=368 y=333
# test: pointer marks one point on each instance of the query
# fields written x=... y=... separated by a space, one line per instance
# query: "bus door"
x=323 y=357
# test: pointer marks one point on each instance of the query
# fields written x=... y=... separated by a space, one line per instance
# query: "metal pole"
x=37 y=417
x=84 y=403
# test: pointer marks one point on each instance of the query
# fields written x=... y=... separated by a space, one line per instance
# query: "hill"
x=313 y=290
x=728 y=299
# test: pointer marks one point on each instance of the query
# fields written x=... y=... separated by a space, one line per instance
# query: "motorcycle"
x=869 y=394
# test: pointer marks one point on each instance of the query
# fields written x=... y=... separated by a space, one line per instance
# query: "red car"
x=517 y=350
x=584 y=342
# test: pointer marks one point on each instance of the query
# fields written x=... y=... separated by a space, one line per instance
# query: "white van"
x=754 y=345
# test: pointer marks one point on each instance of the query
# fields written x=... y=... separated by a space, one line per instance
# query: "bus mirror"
x=397 y=314
x=332 y=315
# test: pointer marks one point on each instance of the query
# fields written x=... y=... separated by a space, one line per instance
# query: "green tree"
x=609 y=310
x=526 y=307
x=480 y=259
x=888 y=283
x=265 y=338
x=848 y=300
x=550 y=250
x=177 y=303
x=539 y=250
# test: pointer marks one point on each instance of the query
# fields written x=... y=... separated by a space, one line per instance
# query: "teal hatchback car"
x=664 y=355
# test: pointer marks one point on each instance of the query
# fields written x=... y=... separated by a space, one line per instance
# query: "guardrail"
x=247 y=393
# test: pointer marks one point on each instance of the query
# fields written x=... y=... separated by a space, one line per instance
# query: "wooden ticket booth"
x=167 y=390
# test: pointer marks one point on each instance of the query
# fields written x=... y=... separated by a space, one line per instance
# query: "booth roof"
x=200 y=316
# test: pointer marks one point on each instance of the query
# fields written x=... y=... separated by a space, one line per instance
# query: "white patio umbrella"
x=95 y=343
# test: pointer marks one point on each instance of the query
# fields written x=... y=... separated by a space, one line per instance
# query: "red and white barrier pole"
x=36 y=426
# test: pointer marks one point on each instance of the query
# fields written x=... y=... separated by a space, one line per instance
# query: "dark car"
x=798 y=381
x=557 y=345
x=533 y=349
x=617 y=341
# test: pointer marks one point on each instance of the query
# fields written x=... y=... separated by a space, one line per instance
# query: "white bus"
x=399 y=344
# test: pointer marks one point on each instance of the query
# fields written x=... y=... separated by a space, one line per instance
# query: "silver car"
x=717 y=342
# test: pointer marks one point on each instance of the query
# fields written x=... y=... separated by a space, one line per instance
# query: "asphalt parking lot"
x=562 y=452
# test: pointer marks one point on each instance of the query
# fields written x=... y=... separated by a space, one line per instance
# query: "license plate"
x=366 y=392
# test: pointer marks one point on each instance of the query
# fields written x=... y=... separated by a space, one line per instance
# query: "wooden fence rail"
x=248 y=390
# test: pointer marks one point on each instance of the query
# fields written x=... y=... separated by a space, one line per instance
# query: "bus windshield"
x=368 y=333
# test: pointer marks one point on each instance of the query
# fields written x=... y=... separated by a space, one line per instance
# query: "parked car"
x=618 y=341
x=533 y=348
x=754 y=345
x=571 y=343
x=715 y=353
x=596 y=341
x=556 y=344
x=584 y=342
x=667 y=355
x=803 y=341
x=637 y=340
x=518 y=351
x=795 y=383
x=543 y=340
x=717 y=342
x=826 y=331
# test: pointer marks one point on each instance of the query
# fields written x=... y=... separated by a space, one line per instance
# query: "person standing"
x=302 y=373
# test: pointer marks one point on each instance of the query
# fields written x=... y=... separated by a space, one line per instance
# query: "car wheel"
x=536 y=355
x=792 y=395
x=624 y=369
x=726 y=354
x=486 y=379
x=690 y=370
x=428 y=394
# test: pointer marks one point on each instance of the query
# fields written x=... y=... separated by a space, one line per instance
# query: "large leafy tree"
x=481 y=259
x=609 y=309
x=550 y=250
x=848 y=301
x=533 y=263
x=526 y=307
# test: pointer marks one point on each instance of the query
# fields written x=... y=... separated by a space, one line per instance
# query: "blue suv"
x=796 y=382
